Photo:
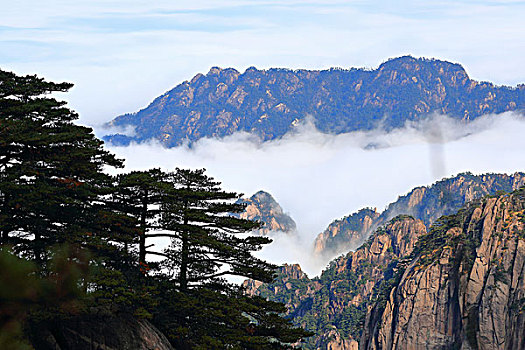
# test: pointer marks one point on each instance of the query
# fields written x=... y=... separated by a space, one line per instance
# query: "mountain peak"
x=264 y=208
x=263 y=196
x=426 y=203
x=214 y=71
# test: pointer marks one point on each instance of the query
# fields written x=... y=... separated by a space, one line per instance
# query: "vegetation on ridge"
x=270 y=103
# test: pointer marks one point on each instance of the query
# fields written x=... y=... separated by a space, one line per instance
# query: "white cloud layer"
x=319 y=177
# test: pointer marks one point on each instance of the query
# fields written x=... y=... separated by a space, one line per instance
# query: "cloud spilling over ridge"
x=319 y=177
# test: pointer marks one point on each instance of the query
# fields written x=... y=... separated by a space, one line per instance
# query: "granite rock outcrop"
x=463 y=286
x=262 y=207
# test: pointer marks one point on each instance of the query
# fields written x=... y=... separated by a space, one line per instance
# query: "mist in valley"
x=319 y=177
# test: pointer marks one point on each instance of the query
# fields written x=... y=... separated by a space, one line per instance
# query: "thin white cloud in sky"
x=319 y=177
x=122 y=54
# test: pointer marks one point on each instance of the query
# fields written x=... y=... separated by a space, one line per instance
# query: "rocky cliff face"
x=347 y=233
x=334 y=305
x=103 y=331
x=459 y=286
x=463 y=286
x=270 y=103
x=262 y=207
x=425 y=203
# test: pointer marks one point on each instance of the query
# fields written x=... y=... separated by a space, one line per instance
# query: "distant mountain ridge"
x=427 y=203
x=270 y=103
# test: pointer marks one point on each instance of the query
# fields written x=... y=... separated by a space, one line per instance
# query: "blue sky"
x=121 y=54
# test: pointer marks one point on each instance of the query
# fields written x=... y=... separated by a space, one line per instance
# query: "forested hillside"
x=458 y=285
x=270 y=103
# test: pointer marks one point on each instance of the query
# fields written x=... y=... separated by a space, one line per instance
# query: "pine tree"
x=53 y=190
x=140 y=194
x=208 y=244
x=50 y=169
x=54 y=198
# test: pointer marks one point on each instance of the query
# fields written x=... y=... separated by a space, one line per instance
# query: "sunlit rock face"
x=462 y=288
x=457 y=279
x=270 y=103
x=262 y=207
x=347 y=233
x=334 y=305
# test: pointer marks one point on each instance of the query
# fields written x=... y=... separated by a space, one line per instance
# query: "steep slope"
x=347 y=233
x=270 y=103
x=262 y=207
x=98 y=331
x=463 y=286
x=425 y=203
x=334 y=305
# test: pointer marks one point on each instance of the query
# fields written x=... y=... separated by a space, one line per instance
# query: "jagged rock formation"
x=347 y=233
x=333 y=341
x=104 y=331
x=425 y=203
x=262 y=207
x=270 y=103
x=334 y=305
x=463 y=286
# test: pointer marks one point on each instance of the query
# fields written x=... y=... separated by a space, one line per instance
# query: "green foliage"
x=499 y=274
x=52 y=188
x=203 y=318
x=44 y=157
x=382 y=290
x=19 y=291
x=27 y=295
x=207 y=242
x=401 y=217
x=78 y=236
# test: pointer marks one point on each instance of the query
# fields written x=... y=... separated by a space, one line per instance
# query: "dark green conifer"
x=207 y=242
x=51 y=175
x=53 y=190
x=199 y=308
x=86 y=233
x=140 y=195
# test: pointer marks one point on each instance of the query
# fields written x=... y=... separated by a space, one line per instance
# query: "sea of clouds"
x=318 y=177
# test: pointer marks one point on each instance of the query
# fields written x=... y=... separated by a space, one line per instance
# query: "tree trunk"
x=183 y=279
x=142 y=238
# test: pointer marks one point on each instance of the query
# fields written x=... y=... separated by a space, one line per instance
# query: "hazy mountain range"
x=270 y=103
x=441 y=267
x=427 y=203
